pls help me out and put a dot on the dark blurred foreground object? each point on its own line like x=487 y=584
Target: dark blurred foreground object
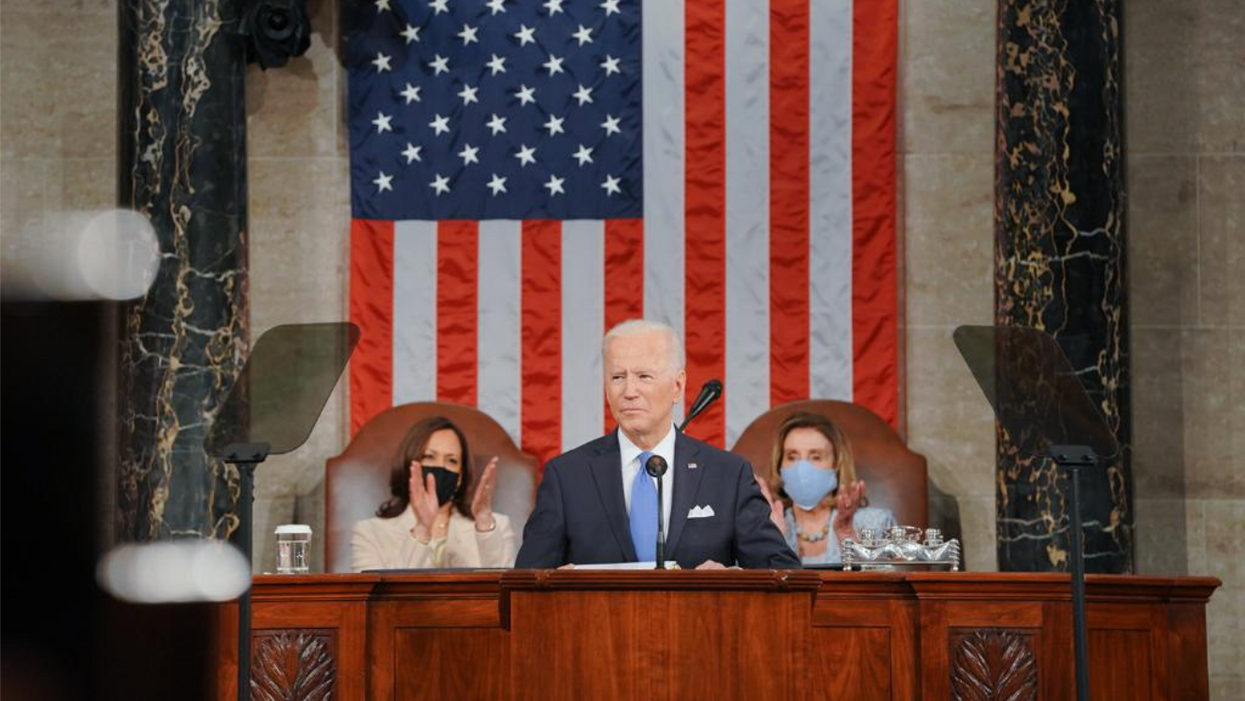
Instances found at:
x=276 y=31
x=64 y=638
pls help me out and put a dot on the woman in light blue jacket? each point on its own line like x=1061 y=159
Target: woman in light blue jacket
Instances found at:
x=820 y=502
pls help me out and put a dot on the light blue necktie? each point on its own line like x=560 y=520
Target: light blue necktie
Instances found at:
x=644 y=514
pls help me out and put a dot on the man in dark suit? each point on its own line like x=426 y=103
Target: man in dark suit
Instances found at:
x=597 y=505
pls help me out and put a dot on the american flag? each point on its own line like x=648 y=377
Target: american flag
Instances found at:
x=526 y=174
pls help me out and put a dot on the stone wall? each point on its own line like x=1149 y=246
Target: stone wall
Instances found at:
x=1185 y=112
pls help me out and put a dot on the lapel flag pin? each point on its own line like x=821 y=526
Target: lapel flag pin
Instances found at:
x=691 y=466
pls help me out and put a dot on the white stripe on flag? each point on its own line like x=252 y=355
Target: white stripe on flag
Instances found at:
x=663 y=59
x=747 y=214
x=830 y=208
x=415 y=311
x=583 y=321
x=500 y=337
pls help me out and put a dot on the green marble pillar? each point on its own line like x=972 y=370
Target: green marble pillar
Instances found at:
x=1060 y=261
x=182 y=161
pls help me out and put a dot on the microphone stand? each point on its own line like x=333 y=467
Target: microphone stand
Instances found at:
x=656 y=467
x=661 y=531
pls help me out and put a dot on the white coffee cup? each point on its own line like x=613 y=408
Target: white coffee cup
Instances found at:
x=293 y=548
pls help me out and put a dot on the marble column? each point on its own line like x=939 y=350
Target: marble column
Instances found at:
x=182 y=162
x=1060 y=261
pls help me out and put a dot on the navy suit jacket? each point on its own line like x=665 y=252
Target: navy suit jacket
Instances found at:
x=581 y=516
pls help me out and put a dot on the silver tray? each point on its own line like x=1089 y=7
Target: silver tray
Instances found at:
x=899 y=548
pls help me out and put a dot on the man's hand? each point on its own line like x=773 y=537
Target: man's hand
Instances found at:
x=776 y=513
x=710 y=565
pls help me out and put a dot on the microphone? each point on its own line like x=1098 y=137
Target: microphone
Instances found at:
x=656 y=467
x=709 y=394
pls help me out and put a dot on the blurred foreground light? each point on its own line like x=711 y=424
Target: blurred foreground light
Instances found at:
x=110 y=254
x=174 y=572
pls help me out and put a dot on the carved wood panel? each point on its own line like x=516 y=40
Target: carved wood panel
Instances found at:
x=293 y=664
x=993 y=664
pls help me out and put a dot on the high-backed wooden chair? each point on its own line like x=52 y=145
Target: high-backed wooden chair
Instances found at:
x=895 y=477
x=357 y=481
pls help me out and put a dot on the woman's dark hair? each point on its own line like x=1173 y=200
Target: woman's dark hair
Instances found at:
x=412 y=449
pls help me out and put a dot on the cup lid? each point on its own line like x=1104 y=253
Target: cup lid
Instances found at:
x=293 y=528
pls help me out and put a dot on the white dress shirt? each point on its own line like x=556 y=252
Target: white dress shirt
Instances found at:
x=629 y=455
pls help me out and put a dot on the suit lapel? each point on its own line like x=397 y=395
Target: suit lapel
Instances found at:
x=686 y=485
x=607 y=473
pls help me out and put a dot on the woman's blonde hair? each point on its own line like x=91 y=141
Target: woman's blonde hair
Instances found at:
x=844 y=461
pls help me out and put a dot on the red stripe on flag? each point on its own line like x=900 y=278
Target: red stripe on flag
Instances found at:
x=624 y=279
x=540 y=401
x=458 y=253
x=874 y=284
x=705 y=219
x=789 y=205
x=371 y=308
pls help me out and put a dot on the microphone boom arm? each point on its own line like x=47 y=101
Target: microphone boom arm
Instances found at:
x=709 y=393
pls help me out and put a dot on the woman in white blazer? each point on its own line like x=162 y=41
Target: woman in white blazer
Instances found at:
x=434 y=519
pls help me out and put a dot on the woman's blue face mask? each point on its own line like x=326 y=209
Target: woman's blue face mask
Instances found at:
x=808 y=484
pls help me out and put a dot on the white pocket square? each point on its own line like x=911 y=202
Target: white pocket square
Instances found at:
x=701 y=511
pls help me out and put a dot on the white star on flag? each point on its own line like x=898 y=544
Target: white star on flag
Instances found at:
x=554 y=7
x=525 y=35
x=555 y=185
x=381 y=62
x=611 y=185
x=497 y=185
x=412 y=153
x=496 y=6
x=440 y=125
x=497 y=64
x=554 y=65
x=583 y=155
x=383 y=182
x=554 y=125
x=583 y=35
x=610 y=125
x=439 y=6
x=468 y=94
x=382 y=5
x=610 y=7
x=468 y=34
x=526 y=95
x=411 y=93
x=382 y=122
x=410 y=34
x=610 y=64
x=497 y=125
x=525 y=155
x=439 y=64
x=583 y=94
x=440 y=184
x=468 y=154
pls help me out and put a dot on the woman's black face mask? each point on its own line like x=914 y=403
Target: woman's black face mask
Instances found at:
x=447 y=482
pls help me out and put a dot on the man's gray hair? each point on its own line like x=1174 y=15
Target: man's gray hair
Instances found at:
x=639 y=327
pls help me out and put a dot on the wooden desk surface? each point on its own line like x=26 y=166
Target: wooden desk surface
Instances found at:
x=554 y=634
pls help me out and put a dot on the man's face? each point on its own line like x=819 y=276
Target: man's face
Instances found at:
x=641 y=387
